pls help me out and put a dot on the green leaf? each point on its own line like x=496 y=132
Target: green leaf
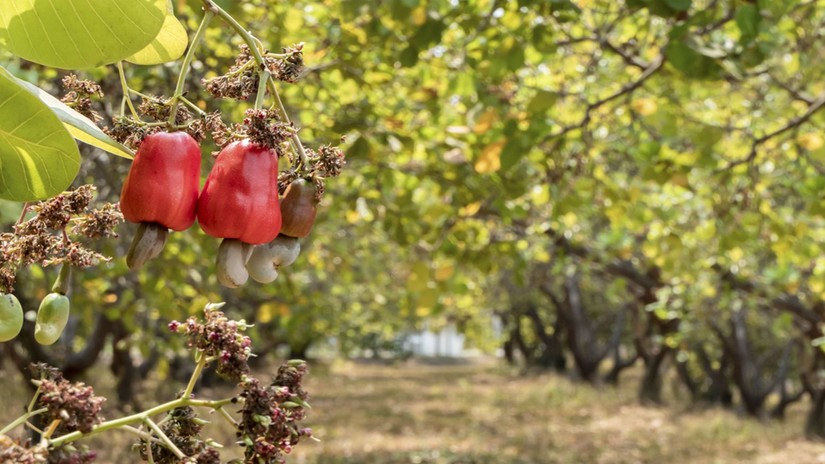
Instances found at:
x=775 y=8
x=169 y=44
x=514 y=150
x=429 y=33
x=747 y=18
x=541 y=102
x=72 y=34
x=79 y=126
x=38 y=157
x=679 y=5
x=691 y=62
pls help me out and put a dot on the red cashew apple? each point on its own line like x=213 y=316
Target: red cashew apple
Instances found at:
x=160 y=192
x=240 y=198
x=162 y=185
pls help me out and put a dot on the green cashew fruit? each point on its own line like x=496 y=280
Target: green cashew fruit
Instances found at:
x=11 y=317
x=52 y=317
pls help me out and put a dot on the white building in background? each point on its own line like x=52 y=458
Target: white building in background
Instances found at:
x=447 y=343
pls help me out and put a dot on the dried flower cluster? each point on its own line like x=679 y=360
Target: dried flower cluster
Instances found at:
x=183 y=428
x=129 y=131
x=270 y=417
x=269 y=425
x=43 y=238
x=265 y=128
x=159 y=109
x=79 y=94
x=290 y=67
x=241 y=81
x=211 y=123
x=15 y=452
x=70 y=454
x=221 y=339
x=327 y=162
x=73 y=404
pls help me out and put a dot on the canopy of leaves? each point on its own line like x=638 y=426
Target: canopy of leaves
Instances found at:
x=682 y=136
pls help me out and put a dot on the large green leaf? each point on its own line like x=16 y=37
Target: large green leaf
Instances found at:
x=168 y=46
x=79 y=34
x=38 y=157
x=79 y=126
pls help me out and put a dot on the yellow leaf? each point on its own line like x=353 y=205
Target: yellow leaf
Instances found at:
x=485 y=121
x=266 y=313
x=169 y=44
x=490 y=158
x=419 y=15
x=294 y=20
x=444 y=273
x=811 y=141
x=469 y=210
x=355 y=32
x=680 y=179
x=645 y=106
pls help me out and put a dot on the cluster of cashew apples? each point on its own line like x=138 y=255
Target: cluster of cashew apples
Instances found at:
x=239 y=203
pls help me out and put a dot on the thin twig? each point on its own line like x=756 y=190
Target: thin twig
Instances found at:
x=792 y=124
x=164 y=439
x=625 y=90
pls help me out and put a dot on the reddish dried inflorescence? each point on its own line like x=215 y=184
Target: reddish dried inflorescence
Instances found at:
x=79 y=95
x=290 y=67
x=73 y=404
x=183 y=428
x=43 y=239
x=269 y=425
x=221 y=339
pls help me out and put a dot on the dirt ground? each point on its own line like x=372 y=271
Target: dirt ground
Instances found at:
x=483 y=412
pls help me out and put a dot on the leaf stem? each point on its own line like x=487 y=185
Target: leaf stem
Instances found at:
x=225 y=414
x=187 y=62
x=296 y=141
x=21 y=420
x=201 y=359
x=125 y=87
x=138 y=418
x=191 y=105
x=63 y=281
x=26 y=206
x=164 y=439
x=263 y=78
x=146 y=436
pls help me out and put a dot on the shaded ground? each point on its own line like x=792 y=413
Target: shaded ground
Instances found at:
x=482 y=413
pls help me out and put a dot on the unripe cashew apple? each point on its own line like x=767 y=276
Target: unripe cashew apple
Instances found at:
x=52 y=317
x=11 y=317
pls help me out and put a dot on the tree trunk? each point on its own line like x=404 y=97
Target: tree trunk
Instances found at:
x=650 y=388
x=719 y=390
x=815 y=422
x=123 y=366
x=551 y=352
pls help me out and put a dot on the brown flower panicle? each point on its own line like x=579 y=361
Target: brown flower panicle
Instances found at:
x=79 y=95
x=43 y=239
x=220 y=339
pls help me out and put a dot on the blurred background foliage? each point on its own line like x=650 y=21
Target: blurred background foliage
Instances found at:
x=616 y=183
